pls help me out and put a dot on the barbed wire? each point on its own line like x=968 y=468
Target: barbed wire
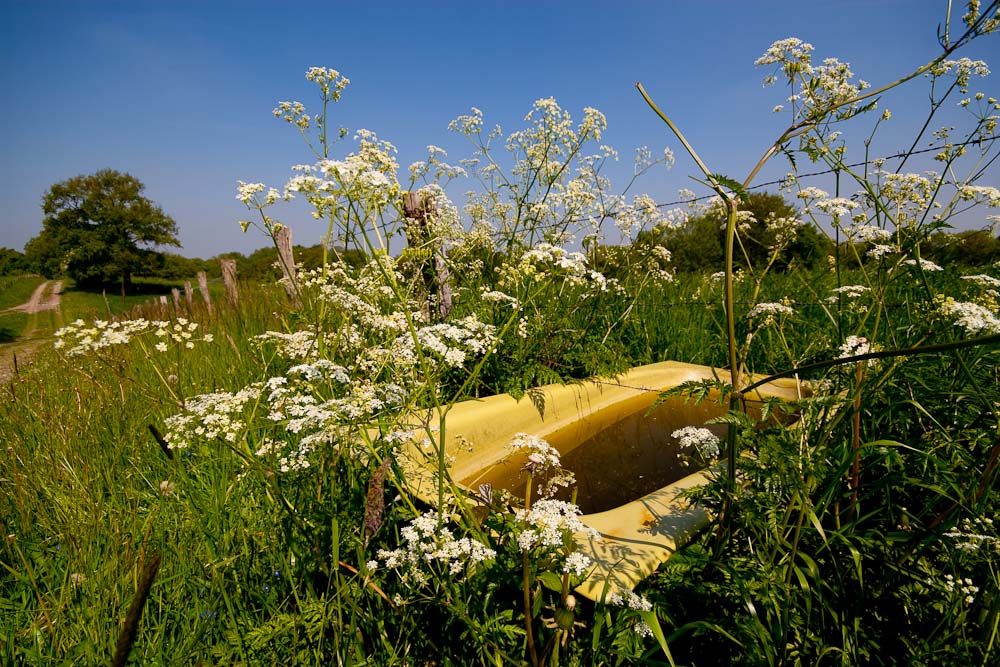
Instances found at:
x=709 y=304
x=905 y=154
x=813 y=174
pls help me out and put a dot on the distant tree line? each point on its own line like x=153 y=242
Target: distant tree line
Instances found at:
x=99 y=230
x=260 y=264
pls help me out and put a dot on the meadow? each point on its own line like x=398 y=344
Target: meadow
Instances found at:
x=225 y=489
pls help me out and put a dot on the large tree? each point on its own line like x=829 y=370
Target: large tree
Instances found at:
x=99 y=229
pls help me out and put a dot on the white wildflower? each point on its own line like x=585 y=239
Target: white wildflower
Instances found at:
x=702 y=440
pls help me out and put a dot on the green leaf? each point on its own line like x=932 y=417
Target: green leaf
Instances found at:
x=551 y=581
x=654 y=624
x=731 y=183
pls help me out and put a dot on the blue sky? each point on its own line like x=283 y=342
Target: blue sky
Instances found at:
x=179 y=94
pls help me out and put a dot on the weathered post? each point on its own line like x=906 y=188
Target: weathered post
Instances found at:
x=229 y=280
x=420 y=211
x=203 y=288
x=189 y=295
x=176 y=293
x=283 y=240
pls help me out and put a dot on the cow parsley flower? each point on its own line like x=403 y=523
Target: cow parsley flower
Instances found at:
x=837 y=207
x=925 y=264
x=984 y=281
x=549 y=523
x=975 y=319
x=634 y=601
x=701 y=440
x=880 y=250
x=577 y=564
x=767 y=313
x=851 y=291
x=451 y=343
x=855 y=346
x=430 y=547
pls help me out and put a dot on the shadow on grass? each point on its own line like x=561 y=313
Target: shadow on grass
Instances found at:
x=12 y=326
x=141 y=287
x=87 y=300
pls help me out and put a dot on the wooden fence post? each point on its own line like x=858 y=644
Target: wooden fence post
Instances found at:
x=420 y=209
x=229 y=280
x=203 y=288
x=283 y=240
x=176 y=293
x=189 y=295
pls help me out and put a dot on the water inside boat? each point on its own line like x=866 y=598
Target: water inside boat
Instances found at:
x=619 y=461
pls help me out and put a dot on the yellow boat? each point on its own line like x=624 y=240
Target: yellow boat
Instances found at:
x=626 y=463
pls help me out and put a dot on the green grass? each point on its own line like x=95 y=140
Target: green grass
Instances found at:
x=16 y=290
x=246 y=578
x=90 y=303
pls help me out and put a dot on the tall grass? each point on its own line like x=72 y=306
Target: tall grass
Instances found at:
x=258 y=465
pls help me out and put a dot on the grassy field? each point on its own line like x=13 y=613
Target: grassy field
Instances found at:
x=233 y=488
x=22 y=334
x=262 y=567
x=14 y=291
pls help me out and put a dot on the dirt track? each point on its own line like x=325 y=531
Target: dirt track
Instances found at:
x=38 y=301
x=45 y=297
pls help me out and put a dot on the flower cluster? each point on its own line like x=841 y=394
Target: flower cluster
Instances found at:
x=541 y=455
x=331 y=85
x=983 y=281
x=429 y=541
x=78 y=338
x=495 y=296
x=545 y=260
x=311 y=403
x=701 y=440
x=925 y=264
x=367 y=176
x=554 y=189
x=962 y=69
x=980 y=194
x=642 y=213
x=218 y=415
x=451 y=344
x=868 y=233
x=822 y=88
x=296 y=345
x=964 y=587
x=434 y=169
x=975 y=319
x=543 y=462
x=906 y=196
x=850 y=291
x=768 y=313
x=577 y=564
x=837 y=207
x=550 y=523
x=855 y=346
x=632 y=600
x=975 y=534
